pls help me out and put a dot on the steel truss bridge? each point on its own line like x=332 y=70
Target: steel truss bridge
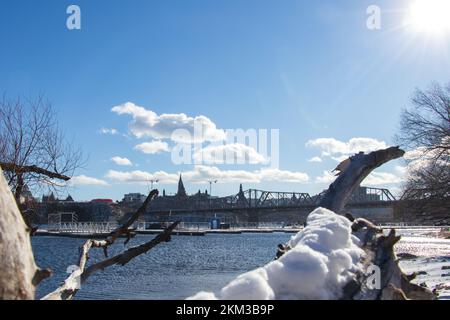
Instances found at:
x=254 y=199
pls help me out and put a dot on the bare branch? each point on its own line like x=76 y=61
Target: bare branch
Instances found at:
x=71 y=286
x=17 y=169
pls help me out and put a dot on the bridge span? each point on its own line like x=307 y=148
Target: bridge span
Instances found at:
x=258 y=205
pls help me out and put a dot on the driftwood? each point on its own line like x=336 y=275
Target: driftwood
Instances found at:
x=34 y=169
x=72 y=284
x=394 y=283
x=19 y=274
x=379 y=248
x=360 y=166
x=78 y=276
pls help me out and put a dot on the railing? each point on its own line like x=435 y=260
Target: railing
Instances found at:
x=200 y=226
x=82 y=227
x=413 y=225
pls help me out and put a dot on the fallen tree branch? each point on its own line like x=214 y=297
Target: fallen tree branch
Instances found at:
x=78 y=276
x=125 y=228
x=12 y=167
x=378 y=248
x=73 y=283
x=125 y=257
x=360 y=166
x=395 y=284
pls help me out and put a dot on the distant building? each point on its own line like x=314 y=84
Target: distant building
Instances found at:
x=133 y=198
x=181 y=190
x=95 y=210
x=180 y=200
x=49 y=198
x=102 y=201
x=26 y=195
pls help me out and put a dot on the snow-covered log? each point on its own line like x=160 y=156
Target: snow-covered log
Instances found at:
x=334 y=256
x=331 y=258
x=322 y=259
x=381 y=278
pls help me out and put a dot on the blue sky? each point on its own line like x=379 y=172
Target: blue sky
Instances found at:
x=311 y=69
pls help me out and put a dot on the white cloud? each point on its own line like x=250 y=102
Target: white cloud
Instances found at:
x=327 y=177
x=402 y=170
x=153 y=147
x=202 y=174
x=178 y=127
x=374 y=179
x=323 y=259
x=382 y=178
x=86 y=181
x=417 y=160
x=143 y=177
x=331 y=146
x=110 y=131
x=340 y=158
x=230 y=153
x=283 y=176
x=121 y=161
x=315 y=159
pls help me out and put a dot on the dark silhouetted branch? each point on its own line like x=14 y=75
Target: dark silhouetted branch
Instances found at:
x=72 y=284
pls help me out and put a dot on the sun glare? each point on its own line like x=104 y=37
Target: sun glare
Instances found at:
x=431 y=16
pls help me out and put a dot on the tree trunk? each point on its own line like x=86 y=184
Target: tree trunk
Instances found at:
x=361 y=165
x=18 y=271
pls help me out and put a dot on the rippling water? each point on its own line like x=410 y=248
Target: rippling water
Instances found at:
x=173 y=270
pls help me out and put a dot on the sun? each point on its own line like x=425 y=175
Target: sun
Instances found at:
x=430 y=16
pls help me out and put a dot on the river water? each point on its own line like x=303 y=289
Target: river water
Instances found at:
x=173 y=270
x=187 y=265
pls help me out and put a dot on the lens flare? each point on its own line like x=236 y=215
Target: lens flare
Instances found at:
x=430 y=16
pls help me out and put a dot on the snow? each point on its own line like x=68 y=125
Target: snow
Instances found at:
x=323 y=259
x=432 y=258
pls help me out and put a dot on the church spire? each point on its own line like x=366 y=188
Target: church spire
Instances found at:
x=241 y=199
x=181 y=190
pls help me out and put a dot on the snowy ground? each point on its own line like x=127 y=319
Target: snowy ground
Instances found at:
x=422 y=251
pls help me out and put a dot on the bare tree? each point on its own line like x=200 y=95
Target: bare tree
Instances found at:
x=33 y=149
x=425 y=128
x=426 y=125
